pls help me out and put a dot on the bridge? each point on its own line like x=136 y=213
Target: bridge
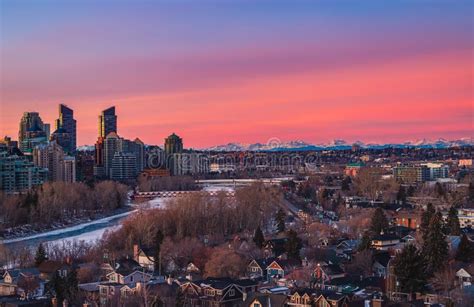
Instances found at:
x=243 y=181
x=174 y=194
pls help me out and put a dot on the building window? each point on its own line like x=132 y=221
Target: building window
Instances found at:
x=231 y=292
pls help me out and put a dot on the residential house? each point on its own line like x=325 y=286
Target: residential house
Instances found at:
x=123 y=276
x=247 y=286
x=109 y=293
x=274 y=247
x=465 y=275
x=125 y=272
x=25 y=283
x=345 y=248
x=265 y=300
x=324 y=273
x=380 y=263
x=278 y=268
x=384 y=241
x=332 y=300
x=121 y=264
x=407 y=218
x=300 y=298
x=258 y=267
x=165 y=291
x=212 y=292
x=48 y=268
x=144 y=257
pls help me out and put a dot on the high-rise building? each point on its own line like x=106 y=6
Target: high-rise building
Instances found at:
x=65 y=129
x=111 y=146
x=32 y=132
x=173 y=145
x=188 y=163
x=99 y=168
x=437 y=170
x=124 y=166
x=7 y=144
x=17 y=174
x=69 y=169
x=52 y=157
x=107 y=125
x=85 y=166
x=47 y=130
x=28 y=121
x=107 y=122
x=137 y=148
x=411 y=173
x=63 y=139
x=114 y=144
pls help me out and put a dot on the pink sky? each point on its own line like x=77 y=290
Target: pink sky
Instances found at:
x=409 y=81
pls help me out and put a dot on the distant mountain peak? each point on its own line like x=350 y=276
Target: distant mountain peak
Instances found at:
x=338 y=144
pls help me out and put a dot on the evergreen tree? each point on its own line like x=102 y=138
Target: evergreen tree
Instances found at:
x=179 y=298
x=379 y=221
x=72 y=286
x=258 y=237
x=280 y=220
x=402 y=194
x=409 y=270
x=452 y=222
x=426 y=218
x=465 y=252
x=157 y=250
x=40 y=255
x=411 y=191
x=435 y=247
x=365 y=242
x=293 y=245
x=58 y=285
x=64 y=287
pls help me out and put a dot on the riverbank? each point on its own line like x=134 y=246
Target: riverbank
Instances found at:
x=72 y=225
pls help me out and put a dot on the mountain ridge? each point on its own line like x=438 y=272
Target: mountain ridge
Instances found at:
x=338 y=144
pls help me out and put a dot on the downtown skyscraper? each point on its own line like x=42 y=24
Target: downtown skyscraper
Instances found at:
x=32 y=131
x=107 y=122
x=65 y=133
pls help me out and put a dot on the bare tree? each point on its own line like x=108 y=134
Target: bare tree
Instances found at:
x=225 y=263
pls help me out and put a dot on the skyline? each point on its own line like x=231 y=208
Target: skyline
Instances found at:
x=242 y=71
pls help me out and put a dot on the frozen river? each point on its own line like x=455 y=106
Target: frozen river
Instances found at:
x=87 y=232
x=91 y=231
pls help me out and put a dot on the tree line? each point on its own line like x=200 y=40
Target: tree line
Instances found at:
x=57 y=201
x=199 y=215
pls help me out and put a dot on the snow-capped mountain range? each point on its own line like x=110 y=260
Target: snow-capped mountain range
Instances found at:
x=299 y=145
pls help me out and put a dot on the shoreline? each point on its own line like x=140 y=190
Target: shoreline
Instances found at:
x=127 y=210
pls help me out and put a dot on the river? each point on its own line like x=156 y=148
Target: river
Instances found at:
x=91 y=231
